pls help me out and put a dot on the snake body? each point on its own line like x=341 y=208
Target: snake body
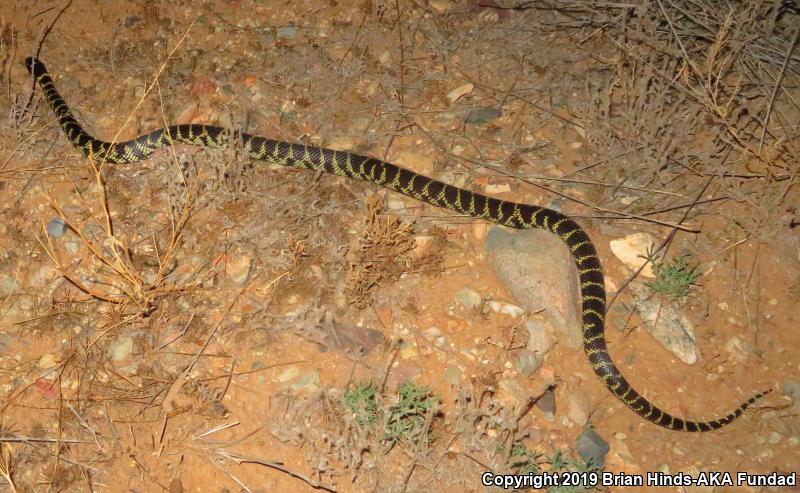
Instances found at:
x=422 y=188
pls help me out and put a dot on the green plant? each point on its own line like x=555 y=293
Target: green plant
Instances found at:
x=673 y=279
x=362 y=401
x=562 y=462
x=408 y=419
x=524 y=461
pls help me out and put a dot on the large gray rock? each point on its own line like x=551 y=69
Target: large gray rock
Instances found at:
x=538 y=270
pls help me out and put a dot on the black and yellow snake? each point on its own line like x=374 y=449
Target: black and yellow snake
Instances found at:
x=428 y=190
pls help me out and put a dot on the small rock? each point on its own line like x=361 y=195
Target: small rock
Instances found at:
x=132 y=20
x=664 y=321
x=547 y=402
x=631 y=249
x=120 y=349
x=792 y=389
x=395 y=204
x=478 y=116
x=434 y=335
x=468 y=298
x=408 y=351
x=286 y=32
x=73 y=247
x=459 y=92
x=738 y=349
x=497 y=189
x=578 y=407
x=308 y=383
x=506 y=308
x=525 y=362
x=48 y=360
x=541 y=336
x=238 y=269
x=288 y=374
x=591 y=447
x=56 y=227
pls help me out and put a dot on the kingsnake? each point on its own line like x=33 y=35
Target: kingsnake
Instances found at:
x=422 y=188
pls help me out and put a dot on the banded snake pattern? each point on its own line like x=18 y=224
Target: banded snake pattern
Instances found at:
x=420 y=187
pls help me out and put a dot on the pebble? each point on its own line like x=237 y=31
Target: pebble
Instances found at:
x=525 y=362
x=434 y=335
x=592 y=447
x=73 y=247
x=459 y=92
x=288 y=374
x=468 y=298
x=547 y=403
x=238 y=269
x=792 y=389
x=578 y=407
x=541 y=336
x=738 y=349
x=478 y=116
x=308 y=383
x=120 y=349
x=408 y=351
x=631 y=249
x=506 y=308
x=48 y=360
x=56 y=227
x=286 y=32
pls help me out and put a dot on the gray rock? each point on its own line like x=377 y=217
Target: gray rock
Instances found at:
x=536 y=267
x=56 y=227
x=468 y=298
x=478 y=116
x=287 y=32
x=525 y=361
x=541 y=336
x=547 y=402
x=792 y=389
x=591 y=447
x=663 y=320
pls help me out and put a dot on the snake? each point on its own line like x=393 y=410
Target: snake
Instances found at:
x=411 y=184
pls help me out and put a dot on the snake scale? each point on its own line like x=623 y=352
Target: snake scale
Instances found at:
x=422 y=188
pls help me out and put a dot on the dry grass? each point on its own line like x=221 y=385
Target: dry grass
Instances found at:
x=697 y=91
